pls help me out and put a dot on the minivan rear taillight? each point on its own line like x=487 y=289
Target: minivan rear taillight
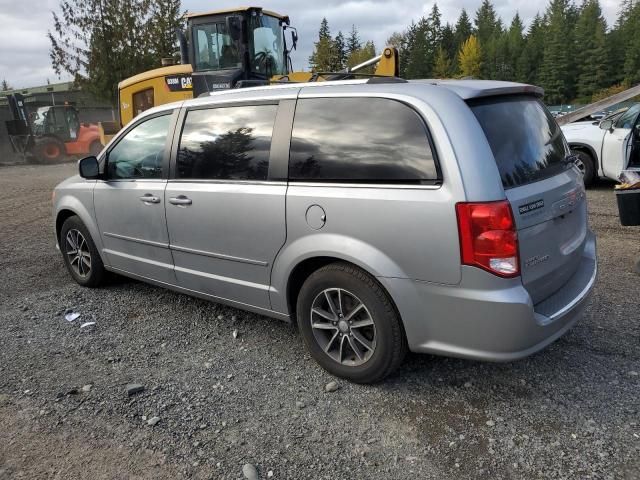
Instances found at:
x=488 y=237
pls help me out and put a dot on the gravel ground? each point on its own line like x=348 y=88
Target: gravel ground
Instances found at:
x=570 y=411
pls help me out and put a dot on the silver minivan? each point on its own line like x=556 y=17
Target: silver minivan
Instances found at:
x=381 y=215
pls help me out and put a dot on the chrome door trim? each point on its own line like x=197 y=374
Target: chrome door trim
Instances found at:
x=137 y=240
x=399 y=186
x=218 y=255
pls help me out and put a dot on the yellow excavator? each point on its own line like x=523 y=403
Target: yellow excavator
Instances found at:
x=223 y=49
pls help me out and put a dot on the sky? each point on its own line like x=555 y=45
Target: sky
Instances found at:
x=24 y=46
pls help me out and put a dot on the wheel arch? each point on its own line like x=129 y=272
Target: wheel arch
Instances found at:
x=307 y=266
x=68 y=206
x=589 y=150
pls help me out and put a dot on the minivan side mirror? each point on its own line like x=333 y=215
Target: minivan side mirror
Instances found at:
x=89 y=168
x=606 y=125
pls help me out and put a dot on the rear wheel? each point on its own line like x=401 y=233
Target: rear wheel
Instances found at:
x=49 y=150
x=80 y=253
x=349 y=324
x=585 y=163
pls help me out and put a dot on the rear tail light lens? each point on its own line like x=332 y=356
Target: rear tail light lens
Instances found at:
x=488 y=237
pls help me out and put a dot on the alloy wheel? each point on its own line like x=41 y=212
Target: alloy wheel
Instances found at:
x=78 y=254
x=343 y=327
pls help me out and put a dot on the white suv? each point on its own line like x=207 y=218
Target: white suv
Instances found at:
x=603 y=149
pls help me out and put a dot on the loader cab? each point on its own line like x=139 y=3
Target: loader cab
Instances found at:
x=227 y=47
x=59 y=121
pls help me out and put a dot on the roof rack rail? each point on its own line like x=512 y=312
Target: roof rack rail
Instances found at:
x=351 y=75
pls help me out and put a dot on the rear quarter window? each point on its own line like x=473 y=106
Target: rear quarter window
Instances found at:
x=526 y=141
x=368 y=140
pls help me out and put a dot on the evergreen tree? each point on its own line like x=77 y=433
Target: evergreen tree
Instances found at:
x=514 y=46
x=442 y=67
x=470 y=58
x=488 y=32
x=448 y=41
x=323 y=58
x=353 y=42
x=528 y=65
x=166 y=18
x=340 y=52
x=101 y=42
x=591 y=52
x=463 y=29
x=555 y=75
x=5 y=85
x=418 y=61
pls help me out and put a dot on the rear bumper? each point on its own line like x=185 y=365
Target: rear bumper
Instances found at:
x=494 y=322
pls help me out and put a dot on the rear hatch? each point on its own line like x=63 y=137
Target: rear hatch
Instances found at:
x=545 y=190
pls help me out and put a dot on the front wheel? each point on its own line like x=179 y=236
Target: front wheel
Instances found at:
x=349 y=324
x=586 y=165
x=80 y=253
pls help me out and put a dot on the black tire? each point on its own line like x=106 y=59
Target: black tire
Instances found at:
x=390 y=346
x=96 y=273
x=95 y=148
x=589 y=167
x=49 y=150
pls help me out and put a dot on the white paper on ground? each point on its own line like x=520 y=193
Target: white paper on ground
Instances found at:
x=70 y=317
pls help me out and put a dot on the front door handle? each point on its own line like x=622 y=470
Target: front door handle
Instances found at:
x=148 y=198
x=180 y=200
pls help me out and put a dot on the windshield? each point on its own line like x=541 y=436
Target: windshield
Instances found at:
x=628 y=118
x=214 y=47
x=525 y=139
x=267 y=48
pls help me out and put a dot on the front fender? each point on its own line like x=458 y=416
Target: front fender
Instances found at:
x=315 y=245
x=80 y=203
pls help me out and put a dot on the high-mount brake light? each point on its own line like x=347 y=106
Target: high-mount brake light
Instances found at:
x=488 y=237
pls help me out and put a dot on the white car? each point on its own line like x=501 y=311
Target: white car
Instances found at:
x=603 y=149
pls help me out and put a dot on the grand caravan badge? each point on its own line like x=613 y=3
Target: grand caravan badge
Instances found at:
x=530 y=207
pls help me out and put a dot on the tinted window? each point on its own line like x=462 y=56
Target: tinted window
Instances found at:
x=229 y=143
x=140 y=152
x=359 y=140
x=142 y=101
x=526 y=142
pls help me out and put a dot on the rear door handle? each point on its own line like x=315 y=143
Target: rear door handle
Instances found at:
x=180 y=200
x=148 y=198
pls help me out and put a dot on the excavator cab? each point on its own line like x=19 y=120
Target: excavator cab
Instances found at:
x=226 y=47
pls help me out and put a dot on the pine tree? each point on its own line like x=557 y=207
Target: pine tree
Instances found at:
x=555 y=74
x=442 y=67
x=101 y=42
x=353 y=42
x=591 y=53
x=5 y=85
x=488 y=32
x=528 y=65
x=340 y=52
x=166 y=18
x=514 y=47
x=470 y=58
x=463 y=29
x=323 y=57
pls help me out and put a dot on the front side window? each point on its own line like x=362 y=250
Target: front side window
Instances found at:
x=628 y=118
x=227 y=143
x=360 y=140
x=139 y=154
x=267 y=47
x=214 y=47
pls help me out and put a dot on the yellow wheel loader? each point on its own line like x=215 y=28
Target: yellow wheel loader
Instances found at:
x=233 y=48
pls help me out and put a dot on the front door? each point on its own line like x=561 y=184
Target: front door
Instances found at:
x=129 y=203
x=616 y=145
x=225 y=215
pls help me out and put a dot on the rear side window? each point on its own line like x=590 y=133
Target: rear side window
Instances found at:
x=229 y=143
x=359 y=140
x=526 y=142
